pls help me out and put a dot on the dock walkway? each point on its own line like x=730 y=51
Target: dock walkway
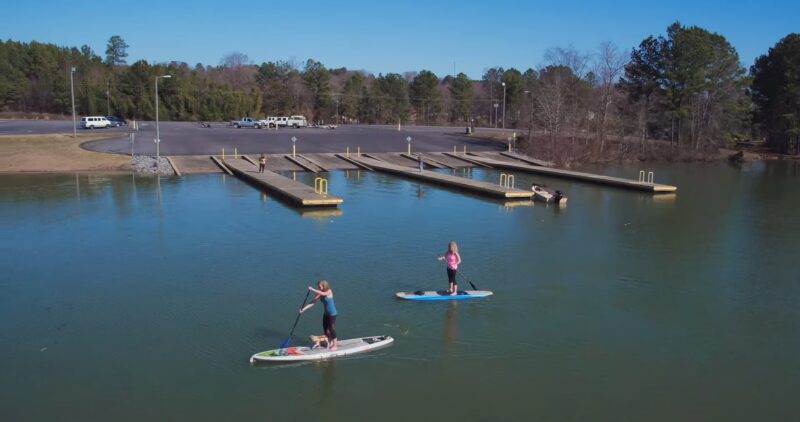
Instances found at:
x=475 y=186
x=296 y=192
x=576 y=175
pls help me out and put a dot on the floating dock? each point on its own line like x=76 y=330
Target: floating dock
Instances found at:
x=461 y=183
x=296 y=192
x=575 y=175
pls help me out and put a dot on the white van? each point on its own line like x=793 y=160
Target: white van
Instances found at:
x=93 y=122
x=297 y=121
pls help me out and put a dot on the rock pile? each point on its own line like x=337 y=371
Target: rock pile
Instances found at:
x=143 y=164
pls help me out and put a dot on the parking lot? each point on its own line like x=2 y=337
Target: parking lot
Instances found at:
x=188 y=138
x=184 y=138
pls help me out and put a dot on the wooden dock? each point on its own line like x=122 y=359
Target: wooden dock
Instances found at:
x=297 y=193
x=461 y=183
x=576 y=175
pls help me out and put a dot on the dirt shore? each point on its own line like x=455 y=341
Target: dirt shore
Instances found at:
x=56 y=153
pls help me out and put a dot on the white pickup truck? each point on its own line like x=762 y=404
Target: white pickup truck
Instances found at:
x=297 y=122
x=246 y=122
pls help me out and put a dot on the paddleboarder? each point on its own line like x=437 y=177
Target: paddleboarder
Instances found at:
x=325 y=294
x=453 y=259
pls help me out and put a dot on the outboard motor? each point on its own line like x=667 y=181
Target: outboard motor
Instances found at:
x=558 y=196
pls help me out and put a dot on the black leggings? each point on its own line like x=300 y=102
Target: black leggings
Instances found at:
x=451 y=276
x=329 y=326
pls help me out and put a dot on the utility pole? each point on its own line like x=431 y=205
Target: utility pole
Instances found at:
x=491 y=101
x=72 y=95
x=158 y=137
x=504 y=105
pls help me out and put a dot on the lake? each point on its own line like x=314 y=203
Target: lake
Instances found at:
x=133 y=298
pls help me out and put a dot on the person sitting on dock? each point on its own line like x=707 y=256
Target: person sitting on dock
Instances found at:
x=325 y=294
x=452 y=258
x=262 y=163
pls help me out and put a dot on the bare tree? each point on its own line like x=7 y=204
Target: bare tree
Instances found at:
x=609 y=65
x=236 y=69
x=575 y=91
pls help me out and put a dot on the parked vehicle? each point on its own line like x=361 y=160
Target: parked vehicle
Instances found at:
x=94 y=122
x=297 y=122
x=246 y=122
x=116 y=121
x=269 y=122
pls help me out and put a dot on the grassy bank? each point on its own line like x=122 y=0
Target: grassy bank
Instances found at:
x=56 y=153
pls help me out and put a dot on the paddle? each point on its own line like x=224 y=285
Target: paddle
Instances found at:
x=462 y=276
x=285 y=344
x=465 y=278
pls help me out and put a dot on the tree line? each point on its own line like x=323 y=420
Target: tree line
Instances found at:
x=685 y=90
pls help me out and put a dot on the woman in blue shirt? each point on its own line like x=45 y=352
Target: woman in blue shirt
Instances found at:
x=325 y=294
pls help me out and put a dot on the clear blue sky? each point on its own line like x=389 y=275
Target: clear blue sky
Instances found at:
x=396 y=37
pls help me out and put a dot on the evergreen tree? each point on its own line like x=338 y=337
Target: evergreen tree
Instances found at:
x=461 y=91
x=116 y=51
x=425 y=95
x=776 y=94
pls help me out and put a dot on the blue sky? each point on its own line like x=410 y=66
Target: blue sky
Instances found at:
x=388 y=37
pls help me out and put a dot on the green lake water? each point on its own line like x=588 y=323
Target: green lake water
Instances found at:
x=142 y=298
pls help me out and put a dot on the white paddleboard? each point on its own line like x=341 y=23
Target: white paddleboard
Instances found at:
x=444 y=295
x=345 y=347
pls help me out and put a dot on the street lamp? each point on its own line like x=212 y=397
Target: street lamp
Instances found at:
x=504 y=105
x=72 y=95
x=530 y=123
x=495 y=114
x=158 y=133
x=408 y=139
x=294 y=141
x=108 y=99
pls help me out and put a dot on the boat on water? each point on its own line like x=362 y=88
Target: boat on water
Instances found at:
x=544 y=194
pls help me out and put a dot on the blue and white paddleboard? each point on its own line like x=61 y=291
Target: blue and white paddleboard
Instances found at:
x=443 y=295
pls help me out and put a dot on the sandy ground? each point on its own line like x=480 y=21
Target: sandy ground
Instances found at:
x=56 y=153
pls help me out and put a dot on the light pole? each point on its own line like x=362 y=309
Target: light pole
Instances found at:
x=504 y=105
x=337 y=111
x=72 y=95
x=491 y=104
x=495 y=114
x=408 y=139
x=158 y=133
x=530 y=123
x=108 y=99
x=294 y=142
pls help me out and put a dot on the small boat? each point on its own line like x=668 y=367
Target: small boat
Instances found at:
x=545 y=194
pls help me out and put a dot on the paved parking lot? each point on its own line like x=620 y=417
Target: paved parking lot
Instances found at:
x=188 y=138
x=180 y=138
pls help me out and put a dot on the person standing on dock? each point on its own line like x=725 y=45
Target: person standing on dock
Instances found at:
x=452 y=258
x=325 y=294
x=262 y=163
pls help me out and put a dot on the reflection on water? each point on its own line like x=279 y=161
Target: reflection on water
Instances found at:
x=149 y=294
